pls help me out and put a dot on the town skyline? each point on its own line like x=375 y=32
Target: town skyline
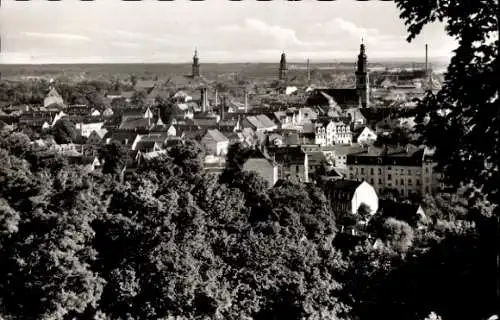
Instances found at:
x=56 y=33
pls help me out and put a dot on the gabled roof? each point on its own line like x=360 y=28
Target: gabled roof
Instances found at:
x=145 y=145
x=343 y=97
x=53 y=93
x=344 y=185
x=120 y=136
x=205 y=122
x=260 y=121
x=136 y=123
x=216 y=135
x=145 y=84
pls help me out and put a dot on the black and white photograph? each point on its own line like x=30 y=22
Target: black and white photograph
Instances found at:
x=249 y=160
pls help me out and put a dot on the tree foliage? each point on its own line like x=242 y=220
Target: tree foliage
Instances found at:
x=464 y=137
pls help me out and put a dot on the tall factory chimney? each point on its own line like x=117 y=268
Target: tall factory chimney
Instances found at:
x=216 y=97
x=246 y=101
x=308 y=72
x=203 y=99
x=426 y=60
x=222 y=106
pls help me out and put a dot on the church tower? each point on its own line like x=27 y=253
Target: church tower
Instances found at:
x=283 y=68
x=196 y=65
x=362 y=81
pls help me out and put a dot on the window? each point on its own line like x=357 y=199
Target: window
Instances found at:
x=409 y=182
x=389 y=168
x=409 y=171
x=371 y=171
x=362 y=170
x=426 y=189
x=402 y=171
x=389 y=177
x=351 y=168
x=379 y=181
x=395 y=182
x=379 y=170
x=297 y=168
x=356 y=171
x=372 y=182
x=426 y=170
x=402 y=182
x=418 y=182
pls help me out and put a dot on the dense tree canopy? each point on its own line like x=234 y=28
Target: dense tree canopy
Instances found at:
x=464 y=137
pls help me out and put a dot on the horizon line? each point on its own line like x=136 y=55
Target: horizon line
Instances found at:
x=311 y=61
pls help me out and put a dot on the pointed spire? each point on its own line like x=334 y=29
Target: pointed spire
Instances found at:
x=196 y=52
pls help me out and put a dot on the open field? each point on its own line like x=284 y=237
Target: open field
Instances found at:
x=250 y=71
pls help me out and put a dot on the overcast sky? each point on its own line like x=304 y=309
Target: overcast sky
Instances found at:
x=71 y=31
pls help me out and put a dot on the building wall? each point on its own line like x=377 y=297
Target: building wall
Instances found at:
x=264 y=168
x=87 y=128
x=333 y=133
x=367 y=136
x=222 y=148
x=366 y=194
x=406 y=180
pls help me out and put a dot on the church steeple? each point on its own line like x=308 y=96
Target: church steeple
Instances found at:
x=196 y=64
x=283 y=68
x=362 y=80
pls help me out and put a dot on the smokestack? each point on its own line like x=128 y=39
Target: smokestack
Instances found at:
x=222 y=108
x=308 y=72
x=206 y=98
x=203 y=99
x=426 y=59
x=246 y=101
x=216 y=97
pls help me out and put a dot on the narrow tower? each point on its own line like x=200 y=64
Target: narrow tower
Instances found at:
x=196 y=65
x=362 y=81
x=426 y=60
x=308 y=72
x=283 y=68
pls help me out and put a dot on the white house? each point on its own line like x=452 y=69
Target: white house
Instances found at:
x=367 y=136
x=53 y=97
x=331 y=132
x=265 y=167
x=346 y=196
x=87 y=128
x=215 y=142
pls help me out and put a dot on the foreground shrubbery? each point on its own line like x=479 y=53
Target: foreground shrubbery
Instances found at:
x=173 y=241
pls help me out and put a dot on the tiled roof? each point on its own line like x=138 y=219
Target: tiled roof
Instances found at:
x=287 y=155
x=136 y=123
x=217 y=135
x=343 y=97
x=343 y=184
x=121 y=137
x=409 y=156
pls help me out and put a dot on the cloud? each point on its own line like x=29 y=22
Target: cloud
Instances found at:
x=139 y=37
x=124 y=44
x=340 y=27
x=59 y=36
x=257 y=32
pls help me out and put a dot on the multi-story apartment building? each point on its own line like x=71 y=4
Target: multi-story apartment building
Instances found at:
x=407 y=170
x=330 y=132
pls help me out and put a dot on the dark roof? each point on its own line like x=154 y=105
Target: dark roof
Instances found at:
x=343 y=185
x=344 y=97
x=401 y=156
x=205 y=122
x=121 y=137
x=315 y=158
x=288 y=155
x=145 y=145
x=136 y=123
